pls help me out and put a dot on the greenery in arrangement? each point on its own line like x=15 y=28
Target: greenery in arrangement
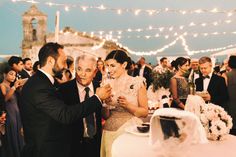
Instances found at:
x=161 y=79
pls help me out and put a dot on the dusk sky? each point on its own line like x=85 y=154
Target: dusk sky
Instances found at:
x=207 y=30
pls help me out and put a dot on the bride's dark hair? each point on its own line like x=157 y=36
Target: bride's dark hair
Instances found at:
x=120 y=56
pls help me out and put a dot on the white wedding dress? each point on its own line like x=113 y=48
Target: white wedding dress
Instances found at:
x=120 y=118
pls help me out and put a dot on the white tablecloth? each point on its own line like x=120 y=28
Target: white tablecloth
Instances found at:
x=129 y=145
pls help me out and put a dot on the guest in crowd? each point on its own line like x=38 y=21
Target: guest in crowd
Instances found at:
x=144 y=71
x=61 y=78
x=45 y=117
x=179 y=84
x=100 y=70
x=224 y=67
x=70 y=71
x=66 y=74
x=17 y=65
x=131 y=69
x=129 y=100
x=216 y=70
x=27 y=70
x=36 y=67
x=163 y=66
x=231 y=81
x=214 y=85
x=86 y=140
x=194 y=70
x=14 y=139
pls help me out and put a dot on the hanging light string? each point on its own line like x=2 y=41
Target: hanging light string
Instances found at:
x=135 y=11
x=184 y=44
x=150 y=12
x=165 y=36
x=149 y=28
x=154 y=52
x=166 y=29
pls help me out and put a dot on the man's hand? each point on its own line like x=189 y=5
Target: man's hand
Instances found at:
x=104 y=92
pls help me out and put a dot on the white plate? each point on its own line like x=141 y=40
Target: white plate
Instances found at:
x=133 y=130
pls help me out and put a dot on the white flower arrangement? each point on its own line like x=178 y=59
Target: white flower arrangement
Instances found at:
x=215 y=120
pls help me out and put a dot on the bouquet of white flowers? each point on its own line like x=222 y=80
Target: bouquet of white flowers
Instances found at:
x=215 y=120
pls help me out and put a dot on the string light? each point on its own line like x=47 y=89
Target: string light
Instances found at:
x=84 y=8
x=166 y=36
x=96 y=47
x=171 y=28
x=229 y=14
x=102 y=7
x=119 y=11
x=150 y=28
x=184 y=44
x=213 y=50
x=181 y=37
x=136 y=11
x=151 y=12
x=67 y=8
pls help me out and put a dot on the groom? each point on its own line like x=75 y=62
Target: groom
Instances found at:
x=83 y=143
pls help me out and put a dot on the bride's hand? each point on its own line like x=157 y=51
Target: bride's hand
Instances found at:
x=122 y=101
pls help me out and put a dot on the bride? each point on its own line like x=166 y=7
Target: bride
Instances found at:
x=129 y=101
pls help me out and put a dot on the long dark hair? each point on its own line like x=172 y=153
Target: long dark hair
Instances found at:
x=120 y=56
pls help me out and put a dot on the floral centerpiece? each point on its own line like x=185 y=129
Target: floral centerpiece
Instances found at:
x=159 y=88
x=215 y=120
x=161 y=79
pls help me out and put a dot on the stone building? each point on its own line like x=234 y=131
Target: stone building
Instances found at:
x=75 y=43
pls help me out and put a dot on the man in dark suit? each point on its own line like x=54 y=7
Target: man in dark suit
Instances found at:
x=27 y=70
x=73 y=92
x=45 y=118
x=144 y=71
x=213 y=84
x=17 y=65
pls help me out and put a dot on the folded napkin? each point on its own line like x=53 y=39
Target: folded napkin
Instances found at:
x=171 y=123
x=193 y=104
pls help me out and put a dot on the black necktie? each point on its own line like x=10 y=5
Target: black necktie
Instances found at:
x=90 y=124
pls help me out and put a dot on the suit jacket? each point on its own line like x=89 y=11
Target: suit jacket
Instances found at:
x=68 y=92
x=45 y=118
x=24 y=74
x=147 y=74
x=216 y=88
x=232 y=97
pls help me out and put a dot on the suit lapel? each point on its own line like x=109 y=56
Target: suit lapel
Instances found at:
x=211 y=83
x=95 y=86
x=76 y=91
x=200 y=84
